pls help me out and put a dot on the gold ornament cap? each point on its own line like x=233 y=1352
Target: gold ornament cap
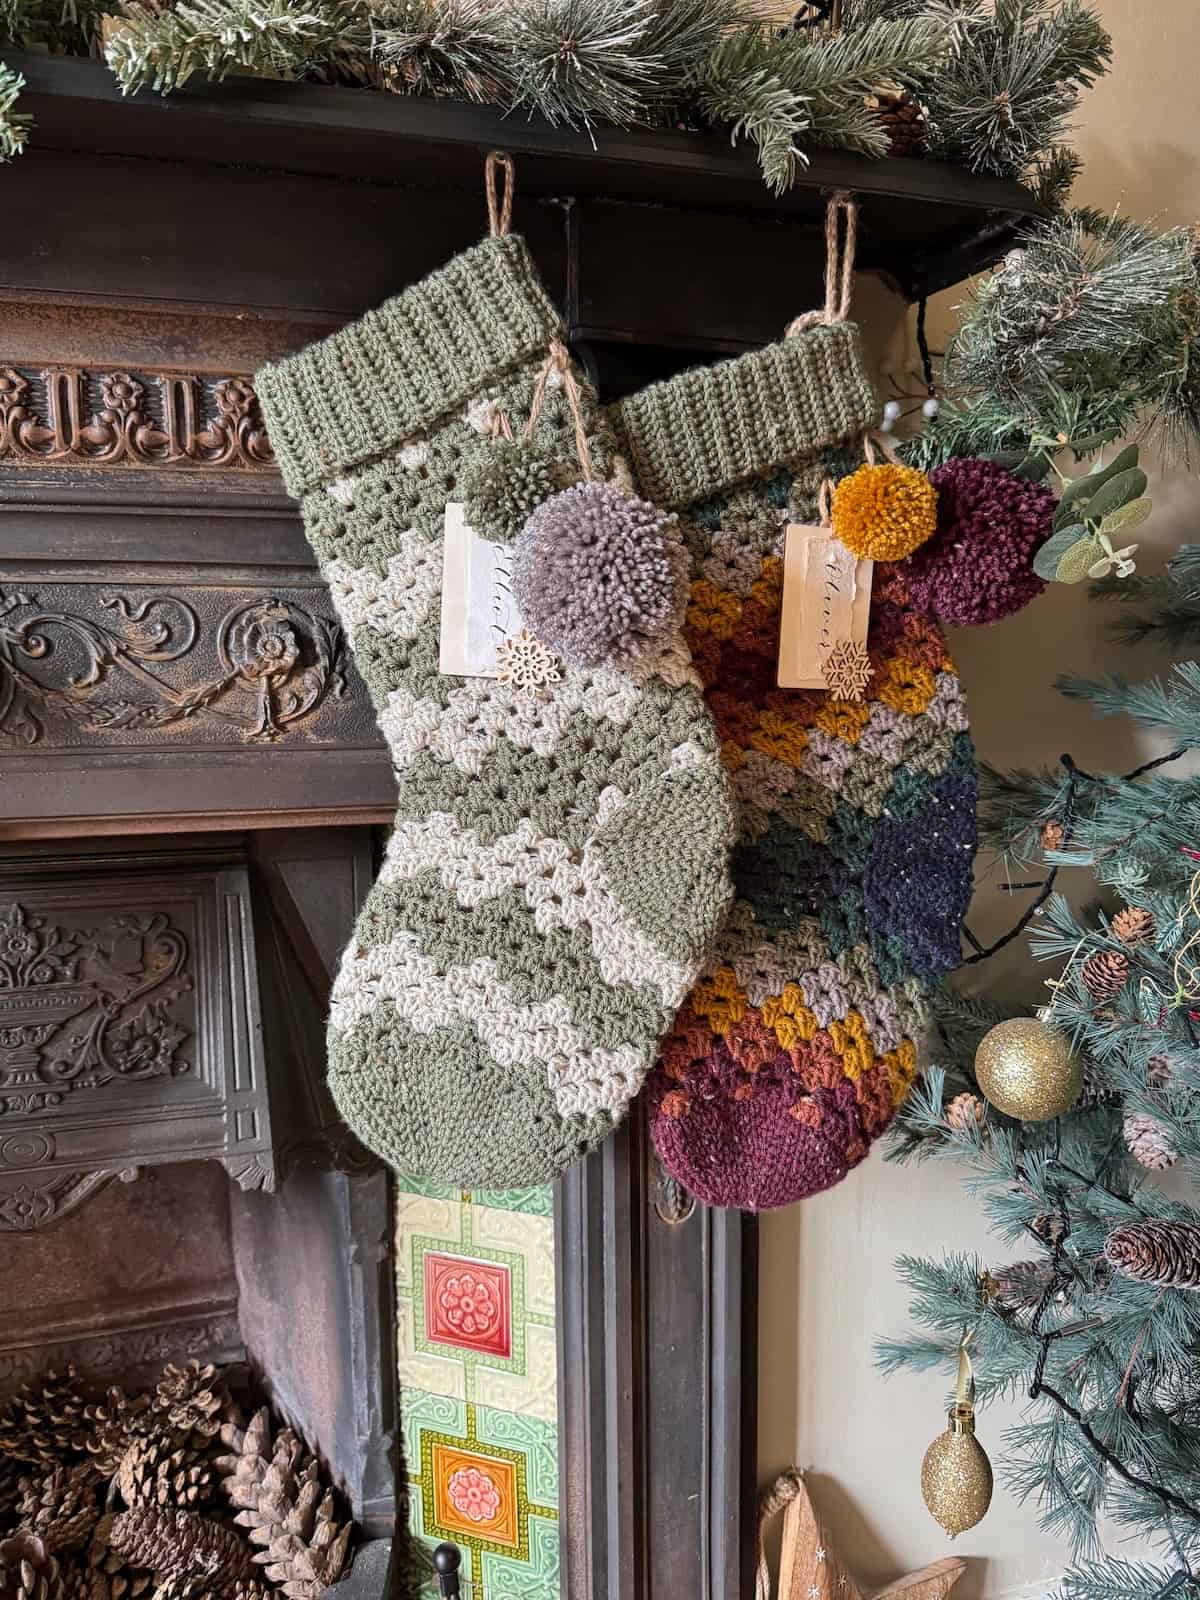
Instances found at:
x=1027 y=1069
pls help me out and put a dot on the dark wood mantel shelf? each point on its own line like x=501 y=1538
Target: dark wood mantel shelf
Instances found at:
x=926 y=223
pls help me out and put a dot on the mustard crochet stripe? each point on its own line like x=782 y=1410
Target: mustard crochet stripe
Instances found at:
x=559 y=866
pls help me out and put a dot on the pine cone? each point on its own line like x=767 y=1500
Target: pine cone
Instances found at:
x=181 y=1544
x=194 y=1400
x=152 y=1473
x=60 y=1508
x=1133 y=925
x=277 y=1489
x=200 y=1589
x=1162 y=1253
x=1020 y=1286
x=1049 y=1226
x=966 y=1111
x=73 y=1580
x=1052 y=836
x=1149 y=1141
x=905 y=121
x=113 y=1427
x=44 y=1421
x=24 y=1568
x=1105 y=973
x=110 y=1572
x=10 y=1489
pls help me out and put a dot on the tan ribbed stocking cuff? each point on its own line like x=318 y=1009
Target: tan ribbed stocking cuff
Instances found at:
x=400 y=369
x=714 y=427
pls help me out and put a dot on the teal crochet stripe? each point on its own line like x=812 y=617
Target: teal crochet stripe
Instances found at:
x=402 y=368
x=689 y=439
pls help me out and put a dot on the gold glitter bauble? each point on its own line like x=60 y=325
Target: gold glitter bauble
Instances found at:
x=1028 y=1070
x=956 y=1475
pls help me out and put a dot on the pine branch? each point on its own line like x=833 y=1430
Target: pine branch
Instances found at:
x=744 y=86
x=14 y=124
x=580 y=62
x=772 y=87
x=1014 y=82
x=276 y=38
x=1052 y=176
x=1171 y=707
x=443 y=47
x=836 y=72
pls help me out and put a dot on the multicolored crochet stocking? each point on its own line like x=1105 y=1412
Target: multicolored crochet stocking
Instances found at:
x=857 y=820
x=559 y=864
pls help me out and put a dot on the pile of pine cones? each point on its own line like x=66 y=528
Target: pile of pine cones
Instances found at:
x=160 y=1496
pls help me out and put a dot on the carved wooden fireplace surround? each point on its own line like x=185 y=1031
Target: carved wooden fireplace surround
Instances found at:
x=192 y=785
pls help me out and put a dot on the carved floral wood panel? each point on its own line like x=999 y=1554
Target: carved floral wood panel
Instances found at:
x=67 y=415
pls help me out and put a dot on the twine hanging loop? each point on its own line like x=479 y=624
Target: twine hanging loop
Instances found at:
x=841 y=213
x=499 y=195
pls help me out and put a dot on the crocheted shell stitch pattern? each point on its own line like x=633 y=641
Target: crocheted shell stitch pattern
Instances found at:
x=852 y=873
x=559 y=864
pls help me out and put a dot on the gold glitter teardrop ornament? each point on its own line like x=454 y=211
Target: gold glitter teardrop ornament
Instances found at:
x=1028 y=1070
x=956 y=1475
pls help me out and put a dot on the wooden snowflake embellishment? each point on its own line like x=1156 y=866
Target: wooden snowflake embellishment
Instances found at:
x=525 y=665
x=846 y=670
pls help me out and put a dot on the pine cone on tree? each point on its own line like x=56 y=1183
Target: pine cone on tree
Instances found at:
x=181 y=1544
x=965 y=1112
x=276 y=1488
x=1048 y=1227
x=904 y=118
x=1052 y=836
x=1134 y=926
x=1020 y=1286
x=155 y=1472
x=44 y=1420
x=1158 y=1252
x=59 y=1508
x=1105 y=973
x=113 y=1426
x=1149 y=1141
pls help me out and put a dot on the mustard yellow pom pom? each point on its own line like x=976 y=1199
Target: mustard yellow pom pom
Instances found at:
x=883 y=513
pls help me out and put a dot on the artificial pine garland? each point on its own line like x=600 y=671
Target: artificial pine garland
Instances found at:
x=1000 y=78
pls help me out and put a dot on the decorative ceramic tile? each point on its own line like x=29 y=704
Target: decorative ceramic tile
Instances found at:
x=477 y=1365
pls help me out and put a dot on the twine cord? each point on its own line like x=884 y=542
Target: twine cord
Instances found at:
x=839 y=266
x=781 y=1493
x=499 y=206
x=558 y=360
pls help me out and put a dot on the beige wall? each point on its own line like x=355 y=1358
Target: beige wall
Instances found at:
x=828 y=1289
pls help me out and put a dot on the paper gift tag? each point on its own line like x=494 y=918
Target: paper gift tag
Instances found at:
x=826 y=597
x=478 y=609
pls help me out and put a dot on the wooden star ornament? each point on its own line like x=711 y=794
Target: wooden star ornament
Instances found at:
x=810 y=1567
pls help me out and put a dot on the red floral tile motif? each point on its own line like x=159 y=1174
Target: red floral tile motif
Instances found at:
x=468 y=1304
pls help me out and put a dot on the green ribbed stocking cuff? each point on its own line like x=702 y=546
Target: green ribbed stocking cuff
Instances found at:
x=715 y=427
x=404 y=367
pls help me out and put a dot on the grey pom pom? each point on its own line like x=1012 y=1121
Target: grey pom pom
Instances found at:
x=600 y=578
x=504 y=485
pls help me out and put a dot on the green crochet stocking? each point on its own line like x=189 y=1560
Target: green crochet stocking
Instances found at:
x=559 y=865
